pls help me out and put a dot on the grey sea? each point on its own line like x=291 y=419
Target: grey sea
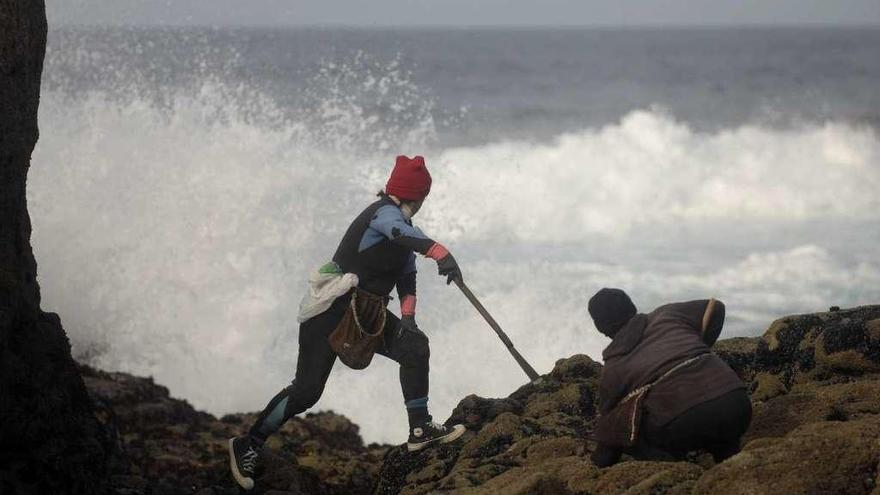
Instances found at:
x=187 y=180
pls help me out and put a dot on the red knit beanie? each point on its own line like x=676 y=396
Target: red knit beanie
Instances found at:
x=410 y=179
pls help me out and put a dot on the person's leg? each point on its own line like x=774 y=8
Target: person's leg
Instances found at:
x=715 y=425
x=411 y=351
x=645 y=450
x=722 y=451
x=314 y=363
x=737 y=415
x=653 y=443
x=313 y=366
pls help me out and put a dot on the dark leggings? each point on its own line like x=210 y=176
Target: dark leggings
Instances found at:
x=316 y=359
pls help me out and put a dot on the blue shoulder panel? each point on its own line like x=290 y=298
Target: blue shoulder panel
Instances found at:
x=388 y=223
x=371 y=238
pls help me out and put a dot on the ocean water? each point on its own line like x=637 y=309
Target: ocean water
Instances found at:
x=187 y=180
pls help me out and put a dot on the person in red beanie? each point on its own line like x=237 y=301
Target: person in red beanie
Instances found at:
x=376 y=254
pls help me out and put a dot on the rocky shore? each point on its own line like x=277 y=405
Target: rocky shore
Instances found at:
x=815 y=382
x=168 y=447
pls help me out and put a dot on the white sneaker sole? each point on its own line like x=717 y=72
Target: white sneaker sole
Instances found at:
x=457 y=431
x=244 y=482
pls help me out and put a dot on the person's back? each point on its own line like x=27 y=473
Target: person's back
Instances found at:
x=668 y=350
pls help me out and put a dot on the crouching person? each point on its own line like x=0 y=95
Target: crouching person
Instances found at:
x=663 y=393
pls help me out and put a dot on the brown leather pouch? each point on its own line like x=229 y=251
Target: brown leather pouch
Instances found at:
x=359 y=334
x=620 y=427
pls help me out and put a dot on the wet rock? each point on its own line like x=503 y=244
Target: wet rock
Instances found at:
x=842 y=342
x=552 y=448
x=576 y=368
x=644 y=478
x=813 y=384
x=474 y=411
x=404 y=472
x=539 y=422
x=739 y=354
x=820 y=457
x=855 y=352
x=173 y=448
x=813 y=402
x=572 y=399
x=767 y=386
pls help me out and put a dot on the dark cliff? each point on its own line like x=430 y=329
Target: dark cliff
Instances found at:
x=50 y=441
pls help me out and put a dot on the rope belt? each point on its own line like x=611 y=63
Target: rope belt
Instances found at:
x=645 y=388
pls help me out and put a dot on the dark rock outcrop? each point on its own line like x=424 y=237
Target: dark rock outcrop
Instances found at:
x=815 y=383
x=50 y=441
x=171 y=448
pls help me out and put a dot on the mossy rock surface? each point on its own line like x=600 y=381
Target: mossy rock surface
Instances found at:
x=843 y=342
x=821 y=457
x=767 y=386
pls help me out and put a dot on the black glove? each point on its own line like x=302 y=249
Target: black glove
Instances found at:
x=447 y=267
x=408 y=324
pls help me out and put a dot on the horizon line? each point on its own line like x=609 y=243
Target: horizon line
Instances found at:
x=439 y=26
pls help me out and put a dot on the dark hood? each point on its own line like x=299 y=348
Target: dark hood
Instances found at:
x=627 y=337
x=611 y=309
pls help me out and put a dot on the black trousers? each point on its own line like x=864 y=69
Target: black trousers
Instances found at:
x=715 y=426
x=316 y=359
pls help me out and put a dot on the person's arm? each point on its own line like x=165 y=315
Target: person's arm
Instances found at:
x=406 y=292
x=705 y=316
x=610 y=393
x=390 y=222
x=611 y=389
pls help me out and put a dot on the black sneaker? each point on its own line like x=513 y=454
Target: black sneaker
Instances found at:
x=243 y=457
x=431 y=433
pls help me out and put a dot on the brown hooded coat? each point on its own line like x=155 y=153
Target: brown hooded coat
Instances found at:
x=651 y=344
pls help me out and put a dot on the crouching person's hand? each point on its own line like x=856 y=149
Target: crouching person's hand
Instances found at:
x=605 y=456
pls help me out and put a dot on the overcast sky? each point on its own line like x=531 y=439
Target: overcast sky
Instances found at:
x=463 y=12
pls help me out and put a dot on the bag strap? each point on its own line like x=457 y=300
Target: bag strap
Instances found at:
x=357 y=321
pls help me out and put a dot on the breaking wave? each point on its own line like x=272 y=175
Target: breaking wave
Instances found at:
x=650 y=168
